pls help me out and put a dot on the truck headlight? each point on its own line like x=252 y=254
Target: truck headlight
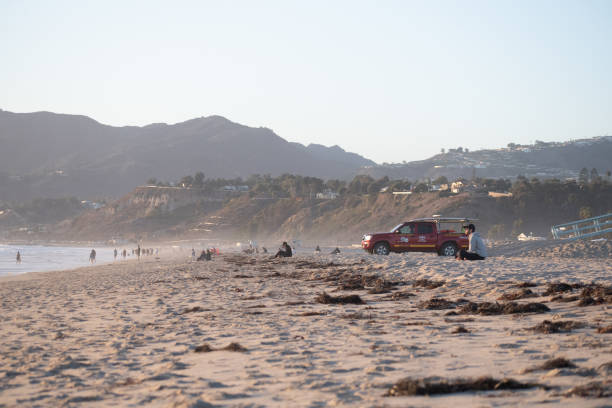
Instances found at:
x=367 y=237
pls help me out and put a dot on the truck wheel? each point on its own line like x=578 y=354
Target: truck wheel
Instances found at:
x=448 y=249
x=381 y=248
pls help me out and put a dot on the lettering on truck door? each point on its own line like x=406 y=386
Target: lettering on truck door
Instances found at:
x=403 y=237
x=425 y=237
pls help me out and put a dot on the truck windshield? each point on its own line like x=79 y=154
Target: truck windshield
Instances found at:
x=396 y=227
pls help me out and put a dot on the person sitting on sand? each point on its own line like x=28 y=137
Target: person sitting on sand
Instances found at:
x=92 y=256
x=18 y=259
x=284 y=251
x=335 y=251
x=477 y=250
x=205 y=255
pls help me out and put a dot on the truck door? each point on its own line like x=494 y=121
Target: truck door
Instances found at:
x=425 y=238
x=403 y=237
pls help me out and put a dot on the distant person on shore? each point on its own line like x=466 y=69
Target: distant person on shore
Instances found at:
x=335 y=251
x=284 y=251
x=193 y=257
x=477 y=250
x=124 y=253
x=115 y=254
x=138 y=252
x=92 y=256
x=18 y=258
x=317 y=249
x=264 y=250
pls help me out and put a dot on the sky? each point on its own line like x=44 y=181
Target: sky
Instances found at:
x=391 y=80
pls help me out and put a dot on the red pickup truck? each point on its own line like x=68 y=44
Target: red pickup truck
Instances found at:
x=436 y=234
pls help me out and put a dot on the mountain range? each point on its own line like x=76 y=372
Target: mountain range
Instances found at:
x=46 y=154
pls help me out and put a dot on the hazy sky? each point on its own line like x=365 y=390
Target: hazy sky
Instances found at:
x=391 y=80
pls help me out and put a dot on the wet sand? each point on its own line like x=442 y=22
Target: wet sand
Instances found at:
x=250 y=331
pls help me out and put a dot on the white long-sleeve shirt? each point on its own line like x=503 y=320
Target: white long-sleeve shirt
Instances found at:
x=477 y=245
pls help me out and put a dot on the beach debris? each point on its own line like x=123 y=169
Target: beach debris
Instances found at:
x=564 y=299
x=460 y=330
x=595 y=295
x=605 y=329
x=242 y=276
x=519 y=294
x=311 y=313
x=205 y=348
x=427 y=283
x=435 y=386
x=399 y=296
x=526 y=285
x=561 y=326
x=437 y=304
x=552 y=364
x=488 y=308
x=558 y=287
x=192 y=310
x=234 y=347
x=327 y=299
x=594 y=389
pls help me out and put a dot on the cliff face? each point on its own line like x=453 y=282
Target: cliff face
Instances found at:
x=172 y=213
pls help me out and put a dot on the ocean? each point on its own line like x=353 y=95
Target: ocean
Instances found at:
x=38 y=258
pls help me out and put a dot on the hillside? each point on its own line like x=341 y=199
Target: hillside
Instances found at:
x=54 y=155
x=167 y=213
x=543 y=160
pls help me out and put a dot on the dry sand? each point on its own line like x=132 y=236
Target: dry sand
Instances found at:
x=126 y=334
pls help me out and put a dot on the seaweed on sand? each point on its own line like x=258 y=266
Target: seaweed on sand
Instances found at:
x=595 y=389
x=519 y=294
x=487 y=308
x=327 y=299
x=427 y=283
x=234 y=347
x=437 y=304
x=433 y=386
x=561 y=326
x=526 y=285
x=595 y=295
x=460 y=330
x=605 y=329
x=551 y=364
x=558 y=287
x=192 y=310
x=205 y=348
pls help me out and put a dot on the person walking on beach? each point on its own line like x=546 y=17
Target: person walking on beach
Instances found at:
x=193 y=257
x=477 y=250
x=115 y=254
x=92 y=256
x=138 y=252
x=18 y=258
x=284 y=251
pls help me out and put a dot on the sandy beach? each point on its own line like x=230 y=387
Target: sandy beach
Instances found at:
x=251 y=331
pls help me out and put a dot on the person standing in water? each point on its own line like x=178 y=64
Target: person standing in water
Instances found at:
x=92 y=256
x=115 y=254
x=18 y=258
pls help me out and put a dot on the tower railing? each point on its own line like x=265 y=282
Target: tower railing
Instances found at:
x=590 y=227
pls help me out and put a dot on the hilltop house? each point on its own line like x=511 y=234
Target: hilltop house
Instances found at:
x=327 y=195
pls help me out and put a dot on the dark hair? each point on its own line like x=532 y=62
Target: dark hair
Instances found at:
x=471 y=227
